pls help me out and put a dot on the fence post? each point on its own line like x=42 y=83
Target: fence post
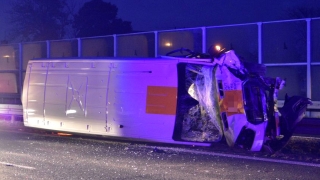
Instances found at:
x=308 y=57
x=79 y=47
x=115 y=45
x=20 y=68
x=48 y=48
x=204 y=39
x=156 y=39
x=259 y=42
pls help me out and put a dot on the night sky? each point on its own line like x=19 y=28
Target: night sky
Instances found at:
x=150 y=15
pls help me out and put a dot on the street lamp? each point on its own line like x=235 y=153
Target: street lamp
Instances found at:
x=7 y=57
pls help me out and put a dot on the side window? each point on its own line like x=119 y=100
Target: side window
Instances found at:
x=220 y=89
x=254 y=101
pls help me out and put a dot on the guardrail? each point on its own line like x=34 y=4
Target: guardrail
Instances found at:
x=307 y=127
x=15 y=112
x=11 y=112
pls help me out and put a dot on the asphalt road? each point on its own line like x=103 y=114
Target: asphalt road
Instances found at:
x=31 y=154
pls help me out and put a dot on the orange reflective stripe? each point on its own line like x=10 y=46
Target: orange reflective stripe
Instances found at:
x=161 y=100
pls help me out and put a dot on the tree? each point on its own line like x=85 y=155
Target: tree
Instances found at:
x=98 y=18
x=38 y=20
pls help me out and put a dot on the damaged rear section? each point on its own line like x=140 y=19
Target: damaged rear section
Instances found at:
x=230 y=99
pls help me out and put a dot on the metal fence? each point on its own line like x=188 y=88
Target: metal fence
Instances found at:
x=289 y=48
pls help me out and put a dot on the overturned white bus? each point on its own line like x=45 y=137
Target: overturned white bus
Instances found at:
x=165 y=99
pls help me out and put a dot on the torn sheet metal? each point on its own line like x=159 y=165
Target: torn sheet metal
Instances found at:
x=235 y=100
x=202 y=121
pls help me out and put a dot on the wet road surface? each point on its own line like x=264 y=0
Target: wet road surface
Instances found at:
x=31 y=154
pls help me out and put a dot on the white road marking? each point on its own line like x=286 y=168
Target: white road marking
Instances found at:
x=16 y=165
x=243 y=157
x=306 y=137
